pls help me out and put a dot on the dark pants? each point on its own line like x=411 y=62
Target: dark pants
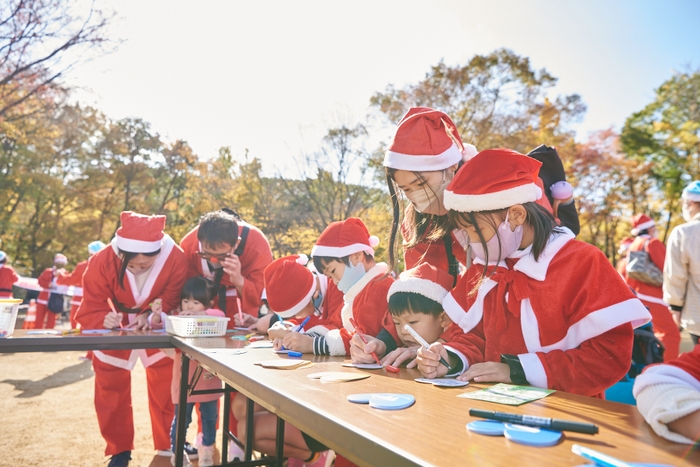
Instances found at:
x=695 y=339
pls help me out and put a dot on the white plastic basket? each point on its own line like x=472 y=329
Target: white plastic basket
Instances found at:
x=8 y=315
x=199 y=326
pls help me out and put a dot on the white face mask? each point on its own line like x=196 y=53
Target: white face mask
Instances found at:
x=687 y=216
x=504 y=243
x=428 y=199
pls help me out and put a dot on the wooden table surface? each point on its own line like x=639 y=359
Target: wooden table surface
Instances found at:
x=25 y=341
x=433 y=431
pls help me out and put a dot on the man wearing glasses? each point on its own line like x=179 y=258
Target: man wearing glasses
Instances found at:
x=234 y=255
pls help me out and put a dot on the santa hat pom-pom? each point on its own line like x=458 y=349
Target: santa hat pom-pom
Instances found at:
x=373 y=241
x=468 y=152
x=303 y=259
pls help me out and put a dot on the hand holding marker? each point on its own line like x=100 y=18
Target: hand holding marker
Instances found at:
x=425 y=344
x=374 y=354
x=299 y=328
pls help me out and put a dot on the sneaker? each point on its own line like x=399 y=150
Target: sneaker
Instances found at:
x=324 y=460
x=294 y=462
x=235 y=453
x=120 y=460
x=191 y=451
x=206 y=456
x=185 y=461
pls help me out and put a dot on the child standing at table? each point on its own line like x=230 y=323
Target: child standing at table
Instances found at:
x=344 y=252
x=537 y=307
x=415 y=299
x=197 y=298
x=295 y=293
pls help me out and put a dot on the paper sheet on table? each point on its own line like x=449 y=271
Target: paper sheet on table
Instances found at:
x=260 y=345
x=284 y=364
x=338 y=376
x=508 y=394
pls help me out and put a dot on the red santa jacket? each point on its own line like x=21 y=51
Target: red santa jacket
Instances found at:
x=685 y=370
x=568 y=316
x=75 y=279
x=255 y=258
x=657 y=254
x=8 y=276
x=101 y=281
x=366 y=303
x=45 y=279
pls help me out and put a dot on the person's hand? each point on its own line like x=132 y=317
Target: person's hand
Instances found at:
x=248 y=320
x=429 y=361
x=361 y=352
x=279 y=330
x=140 y=323
x=232 y=267
x=403 y=354
x=157 y=306
x=156 y=321
x=676 y=315
x=113 y=320
x=488 y=372
x=298 y=342
x=263 y=324
x=277 y=344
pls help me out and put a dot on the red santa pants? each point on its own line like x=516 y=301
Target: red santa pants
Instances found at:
x=43 y=314
x=665 y=329
x=113 y=403
x=73 y=311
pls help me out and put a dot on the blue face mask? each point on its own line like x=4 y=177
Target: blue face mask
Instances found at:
x=351 y=275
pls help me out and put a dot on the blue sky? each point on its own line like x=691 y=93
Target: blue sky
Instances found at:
x=272 y=76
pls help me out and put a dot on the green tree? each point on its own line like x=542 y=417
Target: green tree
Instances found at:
x=666 y=134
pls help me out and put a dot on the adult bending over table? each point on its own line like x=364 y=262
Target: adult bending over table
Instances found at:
x=141 y=264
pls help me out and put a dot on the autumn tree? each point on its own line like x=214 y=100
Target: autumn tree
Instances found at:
x=666 y=135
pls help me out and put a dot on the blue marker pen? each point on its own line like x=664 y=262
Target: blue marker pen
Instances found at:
x=294 y=354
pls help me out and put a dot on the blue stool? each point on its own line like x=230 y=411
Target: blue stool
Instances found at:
x=621 y=392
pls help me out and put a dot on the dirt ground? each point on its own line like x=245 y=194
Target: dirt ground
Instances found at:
x=48 y=417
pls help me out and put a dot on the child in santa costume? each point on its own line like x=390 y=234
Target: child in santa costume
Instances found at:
x=344 y=252
x=45 y=318
x=295 y=293
x=537 y=307
x=668 y=396
x=141 y=264
x=665 y=328
x=234 y=255
x=196 y=299
x=422 y=158
x=8 y=276
x=75 y=279
x=415 y=299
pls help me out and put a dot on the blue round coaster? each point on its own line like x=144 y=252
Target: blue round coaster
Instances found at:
x=391 y=401
x=531 y=436
x=486 y=427
x=359 y=398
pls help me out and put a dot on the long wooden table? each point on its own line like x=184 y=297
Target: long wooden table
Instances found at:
x=430 y=433
x=433 y=431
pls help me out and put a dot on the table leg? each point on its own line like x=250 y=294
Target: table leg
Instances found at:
x=280 y=442
x=249 y=429
x=182 y=410
x=226 y=431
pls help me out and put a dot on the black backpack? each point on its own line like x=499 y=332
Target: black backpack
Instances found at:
x=647 y=349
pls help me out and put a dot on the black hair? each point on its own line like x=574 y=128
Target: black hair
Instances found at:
x=541 y=220
x=218 y=228
x=411 y=302
x=320 y=262
x=127 y=256
x=199 y=288
x=421 y=227
x=4 y=260
x=643 y=232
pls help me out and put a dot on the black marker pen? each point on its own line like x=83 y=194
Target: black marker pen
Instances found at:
x=539 y=422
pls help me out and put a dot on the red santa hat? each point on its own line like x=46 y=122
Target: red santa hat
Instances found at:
x=140 y=233
x=289 y=285
x=59 y=258
x=343 y=238
x=425 y=280
x=426 y=140
x=641 y=222
x=494 y=179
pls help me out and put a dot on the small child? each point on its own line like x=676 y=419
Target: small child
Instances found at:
x=537 y=306
x=197 y=297
x=415 y=299
x=295 y=293
x=668 y=396
x=344 y=252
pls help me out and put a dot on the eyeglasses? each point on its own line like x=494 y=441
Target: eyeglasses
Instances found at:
x=218 y=257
